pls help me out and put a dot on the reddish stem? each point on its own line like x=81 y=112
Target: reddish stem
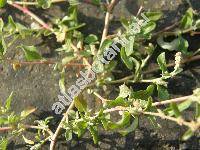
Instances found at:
x=43 y=62
x=4 y=129
x=28 y=12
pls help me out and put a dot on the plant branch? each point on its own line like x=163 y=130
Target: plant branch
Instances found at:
x=4 y=129
x=191 y=59
x=175 y=100
x=47 y=62
x=55 y=135
x=195 y=33
x=36 y=3
x=118 y=108
x=101 y=98
x=194 y=126
x=107 y=19
x=28 y=12
x=44 y=25
x=22 y=3
x=166 y=29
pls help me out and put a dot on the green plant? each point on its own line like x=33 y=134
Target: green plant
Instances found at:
x=12 y=121
x=134 y=54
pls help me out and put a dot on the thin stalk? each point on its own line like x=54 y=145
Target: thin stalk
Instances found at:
x=36 y=18
x=192 y=125
x=5 y=129
x=46 y=62
x=22 y=3
x=166 y=29
x=101 y=98
x=107 y=20
x=175 y=100
x=55 y=135
x=36 y=3
x=191 y=59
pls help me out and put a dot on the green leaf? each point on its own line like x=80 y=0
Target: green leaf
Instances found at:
x=137 y=68
x=143 y=94
x=187 y=20
x=150 y=26
x=173 y=45
x=27 y=112
x=104 y=119
x=68 y=135
x=96 y=2
x=36 y=146
x=98 y=65
x=8 y=102
x=27 y=141
x=124 y=91
x=181 y=107
x=175 y=109
x=119 y=101
x=74 y=2
x=178 y=44
x=3 y=47
x=86 y=53
x=153 y=16
x=94 y=133
x=162 y=92
x=91 y=39
x=44 y=3
x=127 y=60
x=125 y=23
x=129 y=47
x=162 y=63
x=3 y=144
x=80 y=127
x=125 y=120
x=106 y=43
x=1 y=25
x=11 y=26
x=31 y=53
x=150 y=49
x=3 y=121
x=67 y=59
x=71 y=19
x=149 y=104
x=13 y=119
x=80 y=103
x=183 y=46
x=131 y=128
x=62 y=81
x=111 y=66
x=188 y=134
x=197 y=115
x=2 y=3
x=197 y=24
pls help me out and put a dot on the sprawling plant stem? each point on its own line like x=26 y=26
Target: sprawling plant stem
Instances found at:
x=64 y=119
x=125 y=79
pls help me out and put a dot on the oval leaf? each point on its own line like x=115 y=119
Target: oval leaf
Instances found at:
x=31 y=53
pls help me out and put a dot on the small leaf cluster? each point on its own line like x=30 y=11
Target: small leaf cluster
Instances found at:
x=11 y=120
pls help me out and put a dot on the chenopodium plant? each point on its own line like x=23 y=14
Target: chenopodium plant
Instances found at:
x=133 y=105
x=134 y=54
